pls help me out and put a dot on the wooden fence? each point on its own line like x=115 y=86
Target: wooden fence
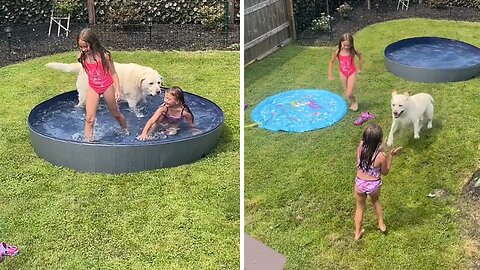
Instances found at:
x=268 y=25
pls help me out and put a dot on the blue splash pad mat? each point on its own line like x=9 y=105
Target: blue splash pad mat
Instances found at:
x=299 y=110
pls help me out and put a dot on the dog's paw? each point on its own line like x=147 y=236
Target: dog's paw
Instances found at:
x=429 y=126
x=416 y=136
x=389 y=142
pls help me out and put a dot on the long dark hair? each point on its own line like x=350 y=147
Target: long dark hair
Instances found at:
x=347 y=37
x=371 y=140
x=89 y=36
x=177 y=92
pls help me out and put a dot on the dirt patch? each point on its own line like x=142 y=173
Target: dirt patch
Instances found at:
x=470 y=220
x=472 y=188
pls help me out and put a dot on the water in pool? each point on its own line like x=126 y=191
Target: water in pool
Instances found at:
x=440 y=55
x=64 y=121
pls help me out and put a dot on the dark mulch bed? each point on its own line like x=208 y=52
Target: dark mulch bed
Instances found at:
x=362 y=17
x=33 y=41
x=472 y=188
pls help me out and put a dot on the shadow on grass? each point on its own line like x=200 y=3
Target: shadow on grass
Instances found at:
x=427 y=136
x=275 y=61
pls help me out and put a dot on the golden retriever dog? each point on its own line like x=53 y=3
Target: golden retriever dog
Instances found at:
x=136 y=81
x=408 y=109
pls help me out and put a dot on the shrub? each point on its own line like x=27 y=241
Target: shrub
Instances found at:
x=344 y=10
x=124 y=15
x=323 y=23
x=65 y=7
x=211 y=17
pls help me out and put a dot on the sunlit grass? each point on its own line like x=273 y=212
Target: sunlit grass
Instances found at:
x=186 y=217
x=299 y=186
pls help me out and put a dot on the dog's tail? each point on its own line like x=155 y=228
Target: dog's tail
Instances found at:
x=73 y=67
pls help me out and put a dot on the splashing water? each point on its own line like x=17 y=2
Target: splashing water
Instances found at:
x=61 y=119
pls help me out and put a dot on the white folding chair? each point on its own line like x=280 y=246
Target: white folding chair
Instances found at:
x=58 y=20
x=403 y=3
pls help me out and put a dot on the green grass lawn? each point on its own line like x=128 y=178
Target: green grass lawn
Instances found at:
x=299 y=186
x=186 y=217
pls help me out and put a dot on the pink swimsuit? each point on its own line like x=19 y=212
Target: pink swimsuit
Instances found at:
x=98 y=79
x=347 y=65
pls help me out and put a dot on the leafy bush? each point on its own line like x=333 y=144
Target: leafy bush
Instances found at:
x=124 y=15
x=163 y=11
x=344 y=10
x=211 y=17
x=65 y=7
x=323 y=23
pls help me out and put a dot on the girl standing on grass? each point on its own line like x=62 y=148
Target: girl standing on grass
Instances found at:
x=372 y=162
x=102 y=79
x=169 y=115
x=345 y=54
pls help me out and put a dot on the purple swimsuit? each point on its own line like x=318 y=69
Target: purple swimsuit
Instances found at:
x=369 y=186
x=172 y=119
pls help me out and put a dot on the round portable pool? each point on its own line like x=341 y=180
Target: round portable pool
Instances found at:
x=56 y=132
x=432 y=59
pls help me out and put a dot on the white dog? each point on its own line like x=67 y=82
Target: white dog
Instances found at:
x=136 y=81
x=408 y=109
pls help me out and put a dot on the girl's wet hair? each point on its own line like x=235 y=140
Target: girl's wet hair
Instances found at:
x=347 y=37
x=89 y=36
x=177 y=92
x=371 y=140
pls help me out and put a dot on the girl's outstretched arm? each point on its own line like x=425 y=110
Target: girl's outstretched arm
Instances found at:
x=387 y=160
x=156 y=116
x=330 y=65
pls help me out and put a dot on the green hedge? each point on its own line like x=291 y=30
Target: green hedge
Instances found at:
x=454 y=3
x=111 y=11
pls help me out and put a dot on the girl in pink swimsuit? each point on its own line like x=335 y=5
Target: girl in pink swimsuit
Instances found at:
x=102 y=79
x=345 y=54
x=372 y=162
x=169 y=115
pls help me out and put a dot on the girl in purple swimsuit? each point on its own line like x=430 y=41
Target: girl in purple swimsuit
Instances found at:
x=169 y=115
x=102 y=79
x=345 y=54
x=372 y=162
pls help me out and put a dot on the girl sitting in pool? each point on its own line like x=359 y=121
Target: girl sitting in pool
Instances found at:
x=169 y=115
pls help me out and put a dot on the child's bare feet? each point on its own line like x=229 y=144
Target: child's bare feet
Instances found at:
x=382 y=228
x=125 y=131
x=354 y=106
x=359 y=235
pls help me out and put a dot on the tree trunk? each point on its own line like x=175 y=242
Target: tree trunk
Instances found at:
x=231 y=12
x=91 y=12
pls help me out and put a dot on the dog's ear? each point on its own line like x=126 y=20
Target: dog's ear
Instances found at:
x=407 y=93
x=394 y=92
x=140 y=82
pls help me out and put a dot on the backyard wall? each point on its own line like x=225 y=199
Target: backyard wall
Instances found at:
x=269 y=24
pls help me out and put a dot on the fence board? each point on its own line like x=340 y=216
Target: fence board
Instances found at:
x=268 y=25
